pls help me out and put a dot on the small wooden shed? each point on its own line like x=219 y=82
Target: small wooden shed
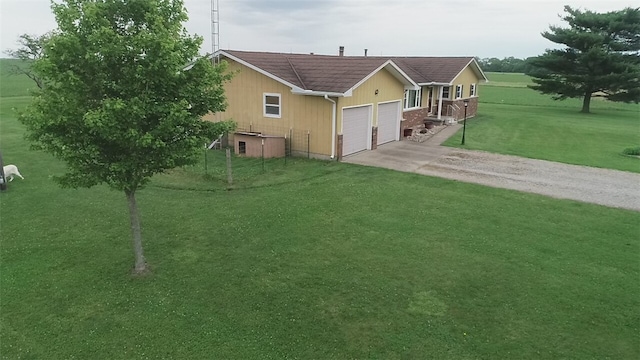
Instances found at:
x=253 y=144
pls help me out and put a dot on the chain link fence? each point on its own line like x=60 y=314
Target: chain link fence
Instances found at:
x=297 y=142
x=220 y=168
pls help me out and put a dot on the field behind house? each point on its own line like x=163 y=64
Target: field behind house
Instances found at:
x=309 y=260
x=516 y=120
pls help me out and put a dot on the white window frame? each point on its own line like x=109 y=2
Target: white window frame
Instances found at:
x=418 y=100
x=472 y=90
x=459 y=89
x=264 y=105
x=448 y=93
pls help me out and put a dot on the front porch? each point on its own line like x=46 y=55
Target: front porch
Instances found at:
x=452 y=112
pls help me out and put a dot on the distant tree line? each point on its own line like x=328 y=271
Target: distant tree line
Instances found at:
x=507 y=65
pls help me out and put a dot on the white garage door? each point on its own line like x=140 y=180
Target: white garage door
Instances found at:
x=355 y=129
x=388 y=122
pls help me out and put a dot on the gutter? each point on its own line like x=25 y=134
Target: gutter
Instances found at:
x=333 y=126
x=319 y=93
x=435 y=84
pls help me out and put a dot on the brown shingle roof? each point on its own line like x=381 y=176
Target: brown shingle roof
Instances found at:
x=432 y=69
x=327 y=73
x=312 y=72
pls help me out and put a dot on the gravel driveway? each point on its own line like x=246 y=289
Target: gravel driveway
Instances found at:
x=611 y=188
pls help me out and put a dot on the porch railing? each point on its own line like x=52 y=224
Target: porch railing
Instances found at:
x=451 y=109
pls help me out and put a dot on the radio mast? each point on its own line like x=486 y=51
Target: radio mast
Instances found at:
x=215 y=32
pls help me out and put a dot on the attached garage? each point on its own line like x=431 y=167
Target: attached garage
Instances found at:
x=388 y=122
x=356 y=126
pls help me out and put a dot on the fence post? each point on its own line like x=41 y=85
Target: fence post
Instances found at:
x=285 y=149
x=205 y=159
x=262 y=149
x=229 y=174
x=308 y=144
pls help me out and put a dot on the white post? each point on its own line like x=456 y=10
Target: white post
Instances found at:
x=440 y=102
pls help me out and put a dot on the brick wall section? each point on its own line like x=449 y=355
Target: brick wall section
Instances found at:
x=472 y=109
x=374 y=138
x=412 y=118
x=339 y=150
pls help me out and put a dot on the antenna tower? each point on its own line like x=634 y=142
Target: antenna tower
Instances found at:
x=215 y=32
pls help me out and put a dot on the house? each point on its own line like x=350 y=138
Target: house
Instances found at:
x=330 y=106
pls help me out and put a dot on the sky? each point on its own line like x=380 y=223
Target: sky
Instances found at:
x=483 y=28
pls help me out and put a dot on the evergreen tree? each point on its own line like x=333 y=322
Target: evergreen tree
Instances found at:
x=601 y=57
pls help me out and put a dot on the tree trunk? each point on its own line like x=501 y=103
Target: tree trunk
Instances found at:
x=140 y=265
x=586 y=102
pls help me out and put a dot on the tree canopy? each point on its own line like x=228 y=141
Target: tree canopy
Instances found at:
x=31 y=48
x=601 y=57
x=118 y=105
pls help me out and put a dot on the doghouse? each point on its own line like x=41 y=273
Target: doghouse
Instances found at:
x=252 y=144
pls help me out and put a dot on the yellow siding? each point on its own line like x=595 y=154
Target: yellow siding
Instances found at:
x=389 y=89
x=425 y=95
x=301 y=113
x=436 y=93
x=466 y=78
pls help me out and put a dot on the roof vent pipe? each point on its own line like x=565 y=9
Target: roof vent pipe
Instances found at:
x=341 y=53
x=365 y=52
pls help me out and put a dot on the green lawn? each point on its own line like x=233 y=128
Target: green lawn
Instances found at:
x=310 y=260
x=516 y=120
x=508 y=79
x=10 y=85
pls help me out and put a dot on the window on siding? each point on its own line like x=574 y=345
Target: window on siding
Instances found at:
x=458 y=91
x=272 y=106
x=472 y=90
x=412 y=99
x=242 y=147
x=445 y=92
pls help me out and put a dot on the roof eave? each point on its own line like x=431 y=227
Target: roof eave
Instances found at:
x=484 y=77
x=395 y=70
x=475 y=68
x=294 y=88
x=321 y=93
x=435 y=83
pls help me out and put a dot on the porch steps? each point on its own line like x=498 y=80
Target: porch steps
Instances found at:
x=448 y=120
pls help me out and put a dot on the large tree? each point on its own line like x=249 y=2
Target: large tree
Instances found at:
x=601 y=57
x=31 y=48
x=118 y=105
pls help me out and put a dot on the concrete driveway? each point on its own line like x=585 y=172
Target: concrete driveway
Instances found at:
x=611 y=188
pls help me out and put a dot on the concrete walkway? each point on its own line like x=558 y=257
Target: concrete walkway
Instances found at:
x=606 y=187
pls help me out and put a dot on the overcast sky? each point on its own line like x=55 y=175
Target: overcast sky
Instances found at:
x=484 y=28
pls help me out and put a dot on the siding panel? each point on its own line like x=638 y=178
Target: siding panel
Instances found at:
x=300 y=113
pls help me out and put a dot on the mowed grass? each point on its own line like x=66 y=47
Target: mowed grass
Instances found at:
x=350 y=262
x=508 y=79
x=11 y=85
x=516 y=120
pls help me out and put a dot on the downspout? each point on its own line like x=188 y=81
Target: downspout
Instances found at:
x=333 y=126
x=440 y=102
